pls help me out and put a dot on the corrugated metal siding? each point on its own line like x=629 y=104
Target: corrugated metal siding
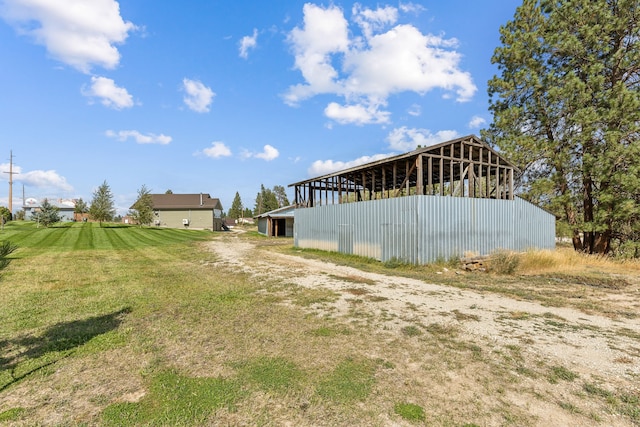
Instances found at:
x=263 y=224
x=423 y=229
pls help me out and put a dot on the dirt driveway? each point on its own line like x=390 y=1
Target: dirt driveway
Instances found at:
x=591 y=345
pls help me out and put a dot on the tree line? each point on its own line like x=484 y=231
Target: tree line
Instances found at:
x=101 y=208
x=266 y=201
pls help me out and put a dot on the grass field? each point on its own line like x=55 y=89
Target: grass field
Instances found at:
x=128 y=326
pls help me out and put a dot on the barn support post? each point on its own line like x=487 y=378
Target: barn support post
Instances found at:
x=420 y=175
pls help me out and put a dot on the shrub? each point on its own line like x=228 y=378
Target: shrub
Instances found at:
x=504 y=262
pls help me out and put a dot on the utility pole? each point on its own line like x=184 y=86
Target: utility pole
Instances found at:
x=11 y=173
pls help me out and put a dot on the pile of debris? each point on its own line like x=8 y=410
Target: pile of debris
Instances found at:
x=475 y=263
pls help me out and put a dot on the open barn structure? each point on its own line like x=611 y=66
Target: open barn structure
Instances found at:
x=442 y=201
x=465 y=167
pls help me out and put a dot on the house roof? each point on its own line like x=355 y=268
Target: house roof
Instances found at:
x=185 y=201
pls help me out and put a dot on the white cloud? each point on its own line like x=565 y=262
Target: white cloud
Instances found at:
x=138 y=137
x=111 y=95
x=268 y=153
x=323 y=167
x=405 y=139
x=385 y=62
x=198 y=97
x=79 y=33
x=476 y=122
x=358 y=114
x=49 y=180
x=248 y=42
x=374 y=20
x=411 y=8
x=217 y=150
x=415 y=110
x=325 y=32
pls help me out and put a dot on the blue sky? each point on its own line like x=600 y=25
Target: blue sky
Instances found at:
x=223 y=96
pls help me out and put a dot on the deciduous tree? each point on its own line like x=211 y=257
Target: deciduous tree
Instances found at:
x=566 y=108
x=5 y=214
x=142 y=209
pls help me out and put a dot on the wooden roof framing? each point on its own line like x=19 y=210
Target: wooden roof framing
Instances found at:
x=463 y=167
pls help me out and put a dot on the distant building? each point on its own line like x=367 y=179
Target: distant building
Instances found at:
x=277 y=223
x=65 y=207
x=196 y=211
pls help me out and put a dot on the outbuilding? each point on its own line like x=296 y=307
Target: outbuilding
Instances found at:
x=440 y=202
x=277 y=223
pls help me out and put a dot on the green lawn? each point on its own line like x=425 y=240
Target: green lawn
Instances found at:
x=125 y=326
x=93 y=313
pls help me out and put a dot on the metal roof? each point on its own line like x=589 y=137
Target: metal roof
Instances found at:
x=283 y=212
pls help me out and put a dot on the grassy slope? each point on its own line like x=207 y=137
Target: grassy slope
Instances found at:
x=132 y=326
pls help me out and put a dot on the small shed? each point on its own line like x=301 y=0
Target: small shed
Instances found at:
x=277 y=223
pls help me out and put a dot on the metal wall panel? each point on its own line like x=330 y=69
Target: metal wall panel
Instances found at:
x=423 y=229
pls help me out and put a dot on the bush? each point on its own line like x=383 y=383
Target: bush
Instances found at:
x=6 y=248
x=504 y=262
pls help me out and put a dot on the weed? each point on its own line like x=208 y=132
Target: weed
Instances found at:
x=409 y=411
x=561 y=373
x=504 y=262
x=271 y=374
x=568 y=406
x=460 y=316
x=596 y=390
x=306 y=297
x=174 y=399
x=442 y=331
x=350 y=381
x=394 y=263
x=357 y=291
x=13 y=414
x=411 y=331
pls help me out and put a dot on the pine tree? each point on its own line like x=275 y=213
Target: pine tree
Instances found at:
x=235 y=211
x=47 y=215
x=102 y=204
x=281 y=195
x=266 y=201
x=566 y=109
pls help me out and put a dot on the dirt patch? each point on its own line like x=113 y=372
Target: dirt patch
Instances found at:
x=593 y=346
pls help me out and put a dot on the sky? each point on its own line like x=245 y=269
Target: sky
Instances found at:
x=219 y=97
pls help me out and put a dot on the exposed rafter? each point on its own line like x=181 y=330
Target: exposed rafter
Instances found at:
x=464 y=167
